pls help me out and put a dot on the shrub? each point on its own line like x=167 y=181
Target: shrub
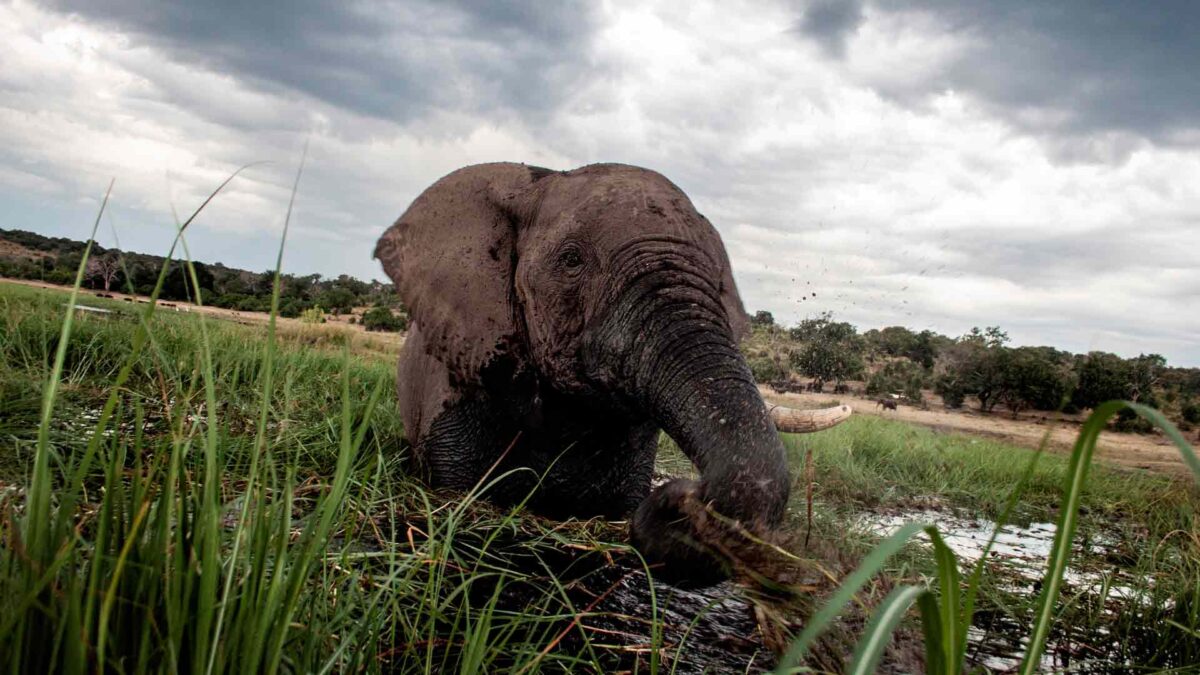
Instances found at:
x=766 y=369
x=313 y=315
x=338 y=300
x=252 y=304
x=292 y=308
x=952 y=390
x=1190 y=411
x=382 y=319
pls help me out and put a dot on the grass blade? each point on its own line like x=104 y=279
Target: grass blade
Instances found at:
x=953 y=626
x=931 y=627
x=1068 y=519
x=869 y=567
x=879 y=630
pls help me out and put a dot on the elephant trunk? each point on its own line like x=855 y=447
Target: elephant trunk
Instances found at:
x=705 y=398
x=681 y=365
x=703 y=395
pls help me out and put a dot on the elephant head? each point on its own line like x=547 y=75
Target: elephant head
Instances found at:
x=605 y=287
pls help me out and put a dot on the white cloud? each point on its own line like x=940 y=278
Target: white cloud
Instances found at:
x=927 y=209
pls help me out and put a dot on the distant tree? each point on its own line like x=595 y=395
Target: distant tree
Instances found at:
x=263 y=283
x=832 y=350
x=973 y=365
x=762 y=318
x=1145 y=372
x=105 y=268
x=233 y=283
x=924 y=348
x=1036 y=377
x=991 y=336
x=1190 y=382
x=1101 y=377
x=358 y=288
x=178 y=284
x=898 y=376
x=337 y=300
x=891 y=341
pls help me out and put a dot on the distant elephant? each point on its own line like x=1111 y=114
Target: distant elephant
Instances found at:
x=559 y=320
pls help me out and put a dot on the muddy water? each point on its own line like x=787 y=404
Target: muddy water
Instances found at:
x=1018 y=558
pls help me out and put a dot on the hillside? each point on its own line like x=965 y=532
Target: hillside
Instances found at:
x=28 y=255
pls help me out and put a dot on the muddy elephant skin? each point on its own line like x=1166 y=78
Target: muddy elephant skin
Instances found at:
x=559 y=321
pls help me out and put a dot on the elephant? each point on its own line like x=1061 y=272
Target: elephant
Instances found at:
x=559 y=320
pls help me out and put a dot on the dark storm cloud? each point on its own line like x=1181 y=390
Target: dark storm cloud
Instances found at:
x=830 y=22
x=392 y=60
x=1076 y=67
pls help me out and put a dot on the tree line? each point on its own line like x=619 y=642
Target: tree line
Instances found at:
x=978 y=368
x=56 y=259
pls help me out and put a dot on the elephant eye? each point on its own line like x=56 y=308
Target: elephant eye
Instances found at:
x=570 y=258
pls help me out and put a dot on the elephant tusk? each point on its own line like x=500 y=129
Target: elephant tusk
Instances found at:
x=792 y=421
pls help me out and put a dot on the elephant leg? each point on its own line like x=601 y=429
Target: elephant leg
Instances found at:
x=635 y=469
x=606 y=476
x=455 y=439
x=463 y=443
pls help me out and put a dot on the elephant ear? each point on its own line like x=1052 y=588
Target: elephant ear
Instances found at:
x=452 y=257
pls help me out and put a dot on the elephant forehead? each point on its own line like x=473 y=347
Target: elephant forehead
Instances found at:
x=611 y=212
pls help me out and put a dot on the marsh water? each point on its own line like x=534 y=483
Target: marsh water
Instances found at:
x=721 y=632
x=1016 y=564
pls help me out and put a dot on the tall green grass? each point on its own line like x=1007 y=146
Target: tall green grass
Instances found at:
x=201 y=499
x=946 y=611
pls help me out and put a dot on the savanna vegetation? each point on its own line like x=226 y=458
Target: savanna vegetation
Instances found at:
x=181 y=493
x=28 y=255
x=979 y=368
x=270 y=523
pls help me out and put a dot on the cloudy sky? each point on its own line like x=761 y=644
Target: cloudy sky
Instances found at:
x=933 y=164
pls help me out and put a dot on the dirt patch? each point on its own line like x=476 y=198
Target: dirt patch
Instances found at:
x=1152 y=452
x=11 y=249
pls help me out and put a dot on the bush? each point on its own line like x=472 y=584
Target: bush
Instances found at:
x=292 y=308
x=382 y=319
x=1129 y=421
x=338 y=300
x=313 y=315
x=901 y=375
x=952 y=390
x=252 y=304
x=1037 y=377
x=765 y=369
x=1190 y=411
